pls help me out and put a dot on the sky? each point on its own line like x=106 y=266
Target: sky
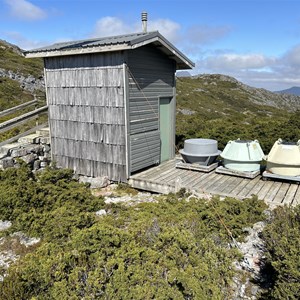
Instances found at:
x=255 y=41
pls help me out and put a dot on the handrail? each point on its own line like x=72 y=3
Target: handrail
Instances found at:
x=21 y=119
x=18 y=107
x=15 y=138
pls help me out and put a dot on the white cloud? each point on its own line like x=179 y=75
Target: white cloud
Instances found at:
x=168 y=28
x=22 y=42
x=273 y=73
x=202 y=34
x=25 y=10
x=110 y=26
x=236 y=62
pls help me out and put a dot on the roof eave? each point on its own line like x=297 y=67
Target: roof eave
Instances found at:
x=85 y=50
x=182 y=62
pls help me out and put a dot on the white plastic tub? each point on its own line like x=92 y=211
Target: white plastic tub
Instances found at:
x=242 y=155
x=284 y=158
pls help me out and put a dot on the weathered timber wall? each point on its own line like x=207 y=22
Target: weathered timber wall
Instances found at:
x=151 y=76
x=86 y=113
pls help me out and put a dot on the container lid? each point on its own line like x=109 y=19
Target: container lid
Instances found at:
x=243 y=151
x=285 y=153
x=200 y=154
x=201 y=147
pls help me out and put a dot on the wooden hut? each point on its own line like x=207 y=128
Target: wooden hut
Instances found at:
x=112 y=102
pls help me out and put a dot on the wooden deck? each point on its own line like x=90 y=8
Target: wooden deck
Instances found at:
x=166 y=178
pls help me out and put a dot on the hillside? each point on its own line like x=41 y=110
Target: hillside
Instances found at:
x=220 y=107
x=20 y=78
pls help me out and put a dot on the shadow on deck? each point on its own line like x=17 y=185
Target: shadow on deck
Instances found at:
x=166 y=178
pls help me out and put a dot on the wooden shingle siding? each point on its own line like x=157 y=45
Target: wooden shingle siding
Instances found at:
x=92 y=151
x=98 y=133
x=150 y=76
x=86 y=113
x=92 y=168
x=105 y=97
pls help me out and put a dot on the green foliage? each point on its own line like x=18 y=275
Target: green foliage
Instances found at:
x=282 y=244
x=11 y=94
x=49 y=205
x=173 y=249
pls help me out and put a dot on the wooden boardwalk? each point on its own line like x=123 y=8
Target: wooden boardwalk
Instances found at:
x=166 y=178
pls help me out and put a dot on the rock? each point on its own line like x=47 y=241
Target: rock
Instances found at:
x=19 y=152
x=36 y=165
x=252 y=250
x=30 y=139
x=186 y=112
x=7 y=149
x=44 y=164
x=28 y=83
x=130 y=200
x=45 y=140
x=95 y=182
x=3 y=152
x=29 y=159
x=4 y=225
x=46 y=148
x=25 y=240
x=44 y=132
x=6 y=162
x=101 y=212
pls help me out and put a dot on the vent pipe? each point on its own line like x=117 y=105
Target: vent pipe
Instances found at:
x=144 y=21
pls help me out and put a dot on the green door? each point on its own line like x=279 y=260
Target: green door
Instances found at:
x=165 y=128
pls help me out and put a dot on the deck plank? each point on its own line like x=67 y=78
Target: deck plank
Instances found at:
x=163 y=174
x=248 y=187
x=281 y=193
x=272 y=193
x=193 y=176
x=197 y=181
x=155 y=170
x=219 y=185
x=265 y=189
x=238 y=188
x=179 y=175
x=232 y=183
x=289 y=197
x=256 y=188
x=208 y=180
x=296 y=200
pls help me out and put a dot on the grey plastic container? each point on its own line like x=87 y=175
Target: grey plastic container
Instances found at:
x=200 y=151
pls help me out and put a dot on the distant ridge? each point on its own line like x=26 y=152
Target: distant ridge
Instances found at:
x=183 y=74
x=220 y=93
x=295 y=90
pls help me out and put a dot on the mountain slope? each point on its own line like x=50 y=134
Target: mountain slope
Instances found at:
x=220 y=107
x=295 y=90
x=227 y=93
x=20 y=78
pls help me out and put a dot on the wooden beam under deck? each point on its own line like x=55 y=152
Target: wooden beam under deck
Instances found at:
x=166 y=178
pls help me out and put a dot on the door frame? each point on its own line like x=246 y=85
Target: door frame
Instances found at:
x=172 y=120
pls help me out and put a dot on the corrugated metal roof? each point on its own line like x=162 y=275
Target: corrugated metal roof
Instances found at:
x=114 y=43
x=113 y=40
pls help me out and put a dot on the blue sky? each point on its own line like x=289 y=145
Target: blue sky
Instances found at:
x=255 y=41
